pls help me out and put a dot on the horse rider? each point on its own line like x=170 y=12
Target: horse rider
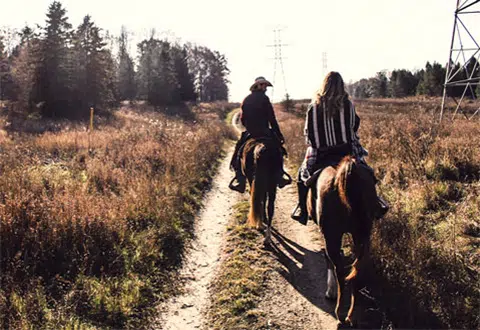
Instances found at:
x=331 y=132
x=258 y=117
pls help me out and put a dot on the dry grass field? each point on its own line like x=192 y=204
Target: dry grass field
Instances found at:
x=93 y=225
x=426 y=251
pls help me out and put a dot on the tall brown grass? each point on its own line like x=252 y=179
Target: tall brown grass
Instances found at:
x=93 y=225
x=426 y=251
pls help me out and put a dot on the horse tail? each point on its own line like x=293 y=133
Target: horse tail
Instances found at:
x=344 y=184
x=258 y=190
x=343 y=173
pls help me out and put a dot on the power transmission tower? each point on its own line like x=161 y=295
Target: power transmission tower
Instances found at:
x=278 y=58
x=324 y=64
x=465 y=50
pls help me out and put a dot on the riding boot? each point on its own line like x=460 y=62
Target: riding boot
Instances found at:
x=382 y=208
x=284 y=179
x=235 y=155
x=241 y=181
x=302 y=204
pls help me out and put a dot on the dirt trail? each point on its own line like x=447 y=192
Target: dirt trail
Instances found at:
x=295 y=289
x=295 y=293
x=186 y=311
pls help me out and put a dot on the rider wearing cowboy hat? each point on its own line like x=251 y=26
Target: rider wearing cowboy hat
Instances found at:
x=258 y=117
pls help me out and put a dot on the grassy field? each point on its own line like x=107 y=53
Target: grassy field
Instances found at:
x=93 y=225
x=239 y=284
x=426 y=251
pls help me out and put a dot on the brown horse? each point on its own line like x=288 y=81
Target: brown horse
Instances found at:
x=343 y=201
x=262 y=165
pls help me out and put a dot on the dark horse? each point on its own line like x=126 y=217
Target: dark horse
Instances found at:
x=262 y=165
x=343 y=201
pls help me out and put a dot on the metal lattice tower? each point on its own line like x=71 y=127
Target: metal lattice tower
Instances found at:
x=464 y=50
x=278 y=58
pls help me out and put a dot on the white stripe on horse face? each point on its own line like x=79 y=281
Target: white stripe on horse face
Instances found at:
x=315 y=126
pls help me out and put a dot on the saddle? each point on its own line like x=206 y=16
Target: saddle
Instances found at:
x=313 y=178
x=245 y=137
x=324 y=158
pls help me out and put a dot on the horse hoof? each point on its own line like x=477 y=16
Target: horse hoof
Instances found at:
x=344 y=325
x=267 y=242
x=330 y=296
x=349 y=323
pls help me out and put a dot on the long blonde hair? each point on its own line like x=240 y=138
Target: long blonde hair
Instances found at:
x=332 y=93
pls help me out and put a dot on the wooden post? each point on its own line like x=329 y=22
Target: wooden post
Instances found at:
x=91 y=119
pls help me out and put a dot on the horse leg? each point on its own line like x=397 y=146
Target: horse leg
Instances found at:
x=333 y=243
x=271 y=207
x=361 y=248
x=331 y=292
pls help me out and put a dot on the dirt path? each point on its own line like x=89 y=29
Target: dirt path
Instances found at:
x=294 y=297
x=186 y=311
x=295 y=289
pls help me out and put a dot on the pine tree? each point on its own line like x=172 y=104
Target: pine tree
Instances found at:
x=432 y=80
x=378 y=85
x=185 y=91
x=94 y=69
x=402 y=83
x=54 y=80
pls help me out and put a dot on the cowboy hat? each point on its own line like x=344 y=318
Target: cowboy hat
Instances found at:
x=260 y=80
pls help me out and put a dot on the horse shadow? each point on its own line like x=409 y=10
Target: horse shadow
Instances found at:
x=304 y=269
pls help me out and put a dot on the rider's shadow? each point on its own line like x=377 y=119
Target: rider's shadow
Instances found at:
x=305 y=270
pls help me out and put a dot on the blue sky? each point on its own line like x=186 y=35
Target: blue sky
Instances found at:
x=360 y=37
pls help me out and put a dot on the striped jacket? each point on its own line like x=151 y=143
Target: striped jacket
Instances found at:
x=323 y=133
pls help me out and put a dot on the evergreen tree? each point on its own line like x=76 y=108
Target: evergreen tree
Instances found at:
x=94 y=69
x=378 y=85
x=53 y=80
x=473 y=71
x=432 y=80
x=185 y=90
x=402 y=83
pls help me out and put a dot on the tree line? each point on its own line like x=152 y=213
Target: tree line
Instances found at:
x=62 y=71
x=427 y=81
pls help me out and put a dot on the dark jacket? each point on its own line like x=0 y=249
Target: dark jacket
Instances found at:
x=257 y=115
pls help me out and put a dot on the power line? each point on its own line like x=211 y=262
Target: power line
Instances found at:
x=278 y=59
x=324 y=64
